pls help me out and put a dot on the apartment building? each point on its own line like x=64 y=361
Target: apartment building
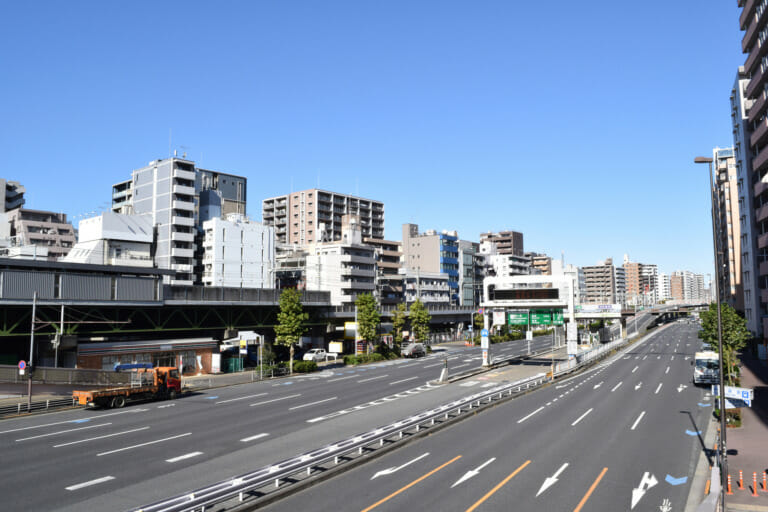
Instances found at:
x=540 y=263
x=346 y=268
x=238 y=253
x=178 y=197
x=620 y=284
x=728 y=227
x=389 y=281
x=44 y=232
x=687 y=287
x=754 y=22
x=507 y=242
x=314 y=215
x=600 y=283
x=433 y=252
x=431 y=288
x=750 y=256
x=469 y=286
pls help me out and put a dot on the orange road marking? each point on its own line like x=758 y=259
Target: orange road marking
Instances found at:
x=411 y=484
x=498 y=486
x=591 y=489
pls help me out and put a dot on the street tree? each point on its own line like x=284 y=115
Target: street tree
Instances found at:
x=399 y=317
x=368 y=317
x=291 y=320
x=419 y=321
x=735 y=335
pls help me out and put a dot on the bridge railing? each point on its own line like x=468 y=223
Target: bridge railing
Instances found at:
x=221 y=294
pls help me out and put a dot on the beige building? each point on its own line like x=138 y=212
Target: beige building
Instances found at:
x=600 y=283
x=41 y=229
x=507 y=242
x=389 y=282
x=315 y=215
x=729 y=231
x=432 y=252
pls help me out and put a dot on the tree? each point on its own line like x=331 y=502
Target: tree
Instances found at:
x=368 y=317
x=398 y=322
x=735 y=335
x=290 y=320
x=419 y=321
x=479 y=321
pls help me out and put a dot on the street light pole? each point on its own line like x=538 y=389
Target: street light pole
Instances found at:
x=723 y=449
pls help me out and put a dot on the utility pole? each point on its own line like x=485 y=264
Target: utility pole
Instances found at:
x=31 y=351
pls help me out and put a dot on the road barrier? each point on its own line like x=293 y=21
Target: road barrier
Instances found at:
x=39 y=406
x=754 y=484
x=741 y=480
x=266 y=481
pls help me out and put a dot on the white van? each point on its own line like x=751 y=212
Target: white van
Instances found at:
x=706 y=367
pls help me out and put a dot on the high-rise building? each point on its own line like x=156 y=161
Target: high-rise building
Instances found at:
x=433 y=252
x=389 y=281
x=507 y=242
x=178 y=197
x=728 y=227
x=750 y=271
x=620 y=278
x=600 y=283
x=314 y=215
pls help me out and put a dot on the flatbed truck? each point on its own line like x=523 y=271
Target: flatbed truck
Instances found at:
x=147 y=383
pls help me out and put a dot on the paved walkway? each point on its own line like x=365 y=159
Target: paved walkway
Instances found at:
x=748 y=445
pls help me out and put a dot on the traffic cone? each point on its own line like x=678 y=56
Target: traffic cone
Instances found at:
x=754 y=485
x=741 y=481
x=729 y=491
x=765 y=486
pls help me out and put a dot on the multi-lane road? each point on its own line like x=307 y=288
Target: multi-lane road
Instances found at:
x=118 y=459
x=624 y=436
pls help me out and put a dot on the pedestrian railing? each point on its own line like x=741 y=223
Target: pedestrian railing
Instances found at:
x=38 y=406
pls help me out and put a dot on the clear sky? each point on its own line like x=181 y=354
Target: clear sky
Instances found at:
x=573 y=122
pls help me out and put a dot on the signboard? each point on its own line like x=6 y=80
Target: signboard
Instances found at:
x=518 y=318
x=336 y=347
x=529 y=335
x=557 y=317
x=485 y=342
x=498 y=317
x=735 y=397
x=541 y=317
x=350 y=328
x=524 y=294
x=22 y=365
x=215 y=363
x=598 y=310
x=571 y=332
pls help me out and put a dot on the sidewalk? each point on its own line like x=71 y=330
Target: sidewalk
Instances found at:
x=748 y=446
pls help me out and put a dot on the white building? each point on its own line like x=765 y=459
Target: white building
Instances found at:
x=428 y=287
x=665 y=292
x=346 y=268
x=238 y=253
x=113 y=239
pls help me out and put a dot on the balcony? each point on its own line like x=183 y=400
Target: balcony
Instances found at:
x=185 y=175
x=750 y=37
x=182 y=221
x=182 y=189
x=755 y=84
x=358 y=272
x=178 y=252
x=183 y=268
x=182 y=237
x=762 y=213
x=762 y=241
x=758 y=163
x=183 y=205
x=763 y=268
x=757 y=108
x=746 y=13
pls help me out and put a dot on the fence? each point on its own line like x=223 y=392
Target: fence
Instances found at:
x=48 y=375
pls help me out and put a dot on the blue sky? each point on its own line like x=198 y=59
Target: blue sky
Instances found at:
x=573 y=122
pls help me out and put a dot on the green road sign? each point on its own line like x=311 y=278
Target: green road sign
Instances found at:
x=557 y=317
x=541 y=317
x=518 y=318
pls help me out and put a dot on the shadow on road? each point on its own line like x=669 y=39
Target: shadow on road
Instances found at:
x=707 y=451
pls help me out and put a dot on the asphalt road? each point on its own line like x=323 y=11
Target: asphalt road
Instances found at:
x=117 y=459
x=623 y=436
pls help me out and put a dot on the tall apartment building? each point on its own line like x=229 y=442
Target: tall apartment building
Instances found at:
x=48 y=231
x=315 y=215
x=600 y=283
x=753 y=20
x=750 y=271
x=346 y=268
x=641 y=282
x=507 y=242
x=468 y=281
x=620 y=284
x=433 y=252
x=728 y=227
x=238 y=253
x=178 y=197
x=664 y=287
x=688 y=287
x=389 y=281
x=429 y=287
x=541 y=263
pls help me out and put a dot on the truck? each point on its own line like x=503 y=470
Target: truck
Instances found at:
x=706 y=367
x=147 y=383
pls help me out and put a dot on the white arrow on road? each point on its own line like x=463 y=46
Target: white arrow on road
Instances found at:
x=639 y=385
x=598 y=385
x=391 y=470
x=473 y=472
x=646 y=483
x=681 y=387
x=550 y=481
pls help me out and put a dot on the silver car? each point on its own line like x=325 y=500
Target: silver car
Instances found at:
x=413 y=350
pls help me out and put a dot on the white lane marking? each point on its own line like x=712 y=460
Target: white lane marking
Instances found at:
x=673 y=358
x=598 y=384
x=62 y=432
x=433 y=365
x=638 y=420
x=551 y=480
x=100 y=437
x=404 y=380
x=658 y=388
x=658 y=357
x=253 y=438
x=534 y=412
x=90 y=482
x=143 y=444
x=185 y=456
x=73 y=421
x=394 y=469
x=373 y=378
x=469 y=384
x=617 y=386
x=343 y=378
x=473 y=472
x=166 y=406
x=581 y=417
x=313 y=403
x=636 y=367
x=667 y=370
x=275 y=400
x=461 y=366
x=241 y=398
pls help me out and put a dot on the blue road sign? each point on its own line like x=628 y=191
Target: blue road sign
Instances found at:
x=484 y=332
x=22 y=364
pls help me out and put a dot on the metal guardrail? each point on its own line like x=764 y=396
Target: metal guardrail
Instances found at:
x=48 y=375
x=266 y=480
x=40 y=406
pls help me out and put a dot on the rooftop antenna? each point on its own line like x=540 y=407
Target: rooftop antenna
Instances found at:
x=170 y=139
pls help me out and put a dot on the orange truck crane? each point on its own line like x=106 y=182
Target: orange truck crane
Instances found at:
x=147 y=383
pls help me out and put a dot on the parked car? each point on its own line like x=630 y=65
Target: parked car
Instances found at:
x=413 y=350
x=316 y=354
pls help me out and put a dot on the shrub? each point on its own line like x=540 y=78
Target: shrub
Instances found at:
x=304 y=366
